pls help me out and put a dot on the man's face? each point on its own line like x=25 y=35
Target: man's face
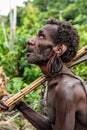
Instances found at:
x=40 y=48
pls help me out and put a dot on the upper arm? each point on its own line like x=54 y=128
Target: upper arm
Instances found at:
x=65 y=109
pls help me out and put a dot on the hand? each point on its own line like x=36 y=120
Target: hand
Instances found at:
x=3 y=106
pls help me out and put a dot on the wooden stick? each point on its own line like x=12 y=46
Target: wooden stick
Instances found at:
x=80 y=54
x=9 y=102
x=25 y=91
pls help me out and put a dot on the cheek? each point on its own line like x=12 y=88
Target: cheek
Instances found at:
x=45 y=49
x=47 y=53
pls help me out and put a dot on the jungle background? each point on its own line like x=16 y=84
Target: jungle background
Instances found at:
x=13 y=49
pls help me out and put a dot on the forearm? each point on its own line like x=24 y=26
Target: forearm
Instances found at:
x=36 y=119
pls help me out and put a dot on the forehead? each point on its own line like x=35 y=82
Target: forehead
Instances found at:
x=49 y=29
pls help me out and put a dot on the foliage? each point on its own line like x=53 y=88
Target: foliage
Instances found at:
x=29 y=20
x=20 y=73
x=44 y=5
x=82 y=67
x=82 y=6
x=70 y=12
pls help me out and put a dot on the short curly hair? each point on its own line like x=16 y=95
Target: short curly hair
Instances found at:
x=66 y=34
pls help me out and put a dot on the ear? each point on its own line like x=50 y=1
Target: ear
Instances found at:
x=60 y=49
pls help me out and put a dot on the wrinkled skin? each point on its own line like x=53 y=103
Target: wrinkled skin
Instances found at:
x=66 y=97
x=40 y=47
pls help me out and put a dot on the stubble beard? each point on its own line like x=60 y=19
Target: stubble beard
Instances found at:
x=39 y=58
x=36 y=59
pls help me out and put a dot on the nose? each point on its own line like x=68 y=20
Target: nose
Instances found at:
x=31 y=41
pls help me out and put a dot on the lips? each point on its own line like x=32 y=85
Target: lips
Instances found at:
x=29 y=49
x=28 y=53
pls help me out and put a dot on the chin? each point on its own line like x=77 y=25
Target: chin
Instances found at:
x=32 y=59
x=29 y=59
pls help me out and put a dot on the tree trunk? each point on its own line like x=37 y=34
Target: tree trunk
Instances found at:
x=13 y=15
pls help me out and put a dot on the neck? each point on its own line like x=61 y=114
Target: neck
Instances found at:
x=53 y=67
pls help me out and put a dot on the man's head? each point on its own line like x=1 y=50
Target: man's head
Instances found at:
x=55 y=38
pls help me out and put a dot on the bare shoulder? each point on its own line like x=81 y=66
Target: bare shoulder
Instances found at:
x=70 y=89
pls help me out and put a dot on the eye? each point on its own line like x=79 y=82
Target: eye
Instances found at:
x=41 y=36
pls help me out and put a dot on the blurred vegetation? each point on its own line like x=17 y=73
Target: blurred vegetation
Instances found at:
x=29 y=20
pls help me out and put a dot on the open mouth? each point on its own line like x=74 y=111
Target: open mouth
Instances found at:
x=29 y=50
x=29 y=53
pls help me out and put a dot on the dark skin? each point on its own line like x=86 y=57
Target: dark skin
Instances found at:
x=66 y=98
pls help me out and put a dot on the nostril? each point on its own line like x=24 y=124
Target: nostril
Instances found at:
x=31 y=41
x=28 y=41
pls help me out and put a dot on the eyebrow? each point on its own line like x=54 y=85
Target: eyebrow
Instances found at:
x=40 y=32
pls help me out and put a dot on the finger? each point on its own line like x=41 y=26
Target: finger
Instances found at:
x=11 y=108
x=14 y=106
x=6 y=97
x=3 y=105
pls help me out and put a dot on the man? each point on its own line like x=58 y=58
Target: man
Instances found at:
x=55 y=44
